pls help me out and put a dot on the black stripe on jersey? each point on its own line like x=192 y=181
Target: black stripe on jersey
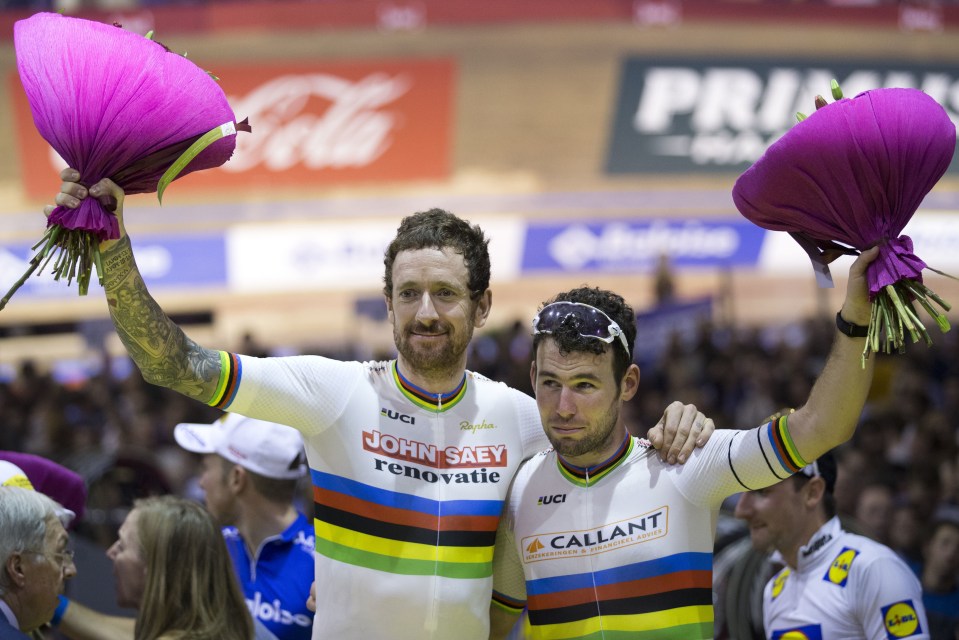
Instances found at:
x=729 y=457
x=624 y=606
x=400 y=532
x=759 y=440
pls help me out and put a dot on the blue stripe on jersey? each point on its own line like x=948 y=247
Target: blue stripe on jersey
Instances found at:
x=405 y=501
x=637 y=571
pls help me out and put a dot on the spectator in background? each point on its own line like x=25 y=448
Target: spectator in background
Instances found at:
x=34 y=561
x=939 y=573
x=835 y=584
x=172 y=566
x=874 y=510
x=250 y=474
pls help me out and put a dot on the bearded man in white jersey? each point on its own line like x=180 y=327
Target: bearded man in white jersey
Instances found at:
x=600 y=539
x=410 y=459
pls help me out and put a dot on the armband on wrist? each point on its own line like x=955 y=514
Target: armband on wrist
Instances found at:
x=850 y=329
x=61 y=609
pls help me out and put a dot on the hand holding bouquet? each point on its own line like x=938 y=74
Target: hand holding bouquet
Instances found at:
x=850 y=177
x=116 y=105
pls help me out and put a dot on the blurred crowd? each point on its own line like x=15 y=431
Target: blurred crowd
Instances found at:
x=899 y=471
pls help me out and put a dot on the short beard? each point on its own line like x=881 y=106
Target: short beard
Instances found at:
x=595 y=441
x=439 y=361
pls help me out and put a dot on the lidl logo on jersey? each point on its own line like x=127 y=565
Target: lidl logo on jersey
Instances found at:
x=808 y=632
x=838 y=572
x=901 y=620
x=780 y=582
x=641 y=528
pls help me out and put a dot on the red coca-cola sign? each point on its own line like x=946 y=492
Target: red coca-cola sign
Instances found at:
x=313 y=125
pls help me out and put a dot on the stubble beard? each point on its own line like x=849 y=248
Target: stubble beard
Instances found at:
x=594 y=441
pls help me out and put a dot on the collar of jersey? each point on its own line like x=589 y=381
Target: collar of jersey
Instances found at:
x=585 y=476
x=424 y=399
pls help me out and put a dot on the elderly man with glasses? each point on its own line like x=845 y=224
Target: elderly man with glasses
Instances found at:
x=35 y=561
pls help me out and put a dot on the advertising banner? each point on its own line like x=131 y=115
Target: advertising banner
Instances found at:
x=313 y=124
x=719 y=115
x=197 y=260
x=633 y=245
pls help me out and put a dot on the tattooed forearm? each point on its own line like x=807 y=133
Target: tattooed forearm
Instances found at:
x=164 y=354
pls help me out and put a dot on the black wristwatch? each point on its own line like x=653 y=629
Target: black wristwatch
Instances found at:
x=850 y=329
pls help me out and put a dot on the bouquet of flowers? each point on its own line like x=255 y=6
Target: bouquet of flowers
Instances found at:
x=114 y=104
x=850 y=177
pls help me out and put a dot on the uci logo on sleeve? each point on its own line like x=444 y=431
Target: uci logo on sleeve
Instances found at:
x=838 y=572
x=808 y=632
x=901 y=620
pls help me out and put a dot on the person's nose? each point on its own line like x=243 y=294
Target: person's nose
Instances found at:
x=69 y=569
x=112 y=551
x=426 y=311
x=744 y=506
x=566 y=407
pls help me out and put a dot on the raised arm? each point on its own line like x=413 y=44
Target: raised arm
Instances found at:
x=831 y=413
x=163 y=353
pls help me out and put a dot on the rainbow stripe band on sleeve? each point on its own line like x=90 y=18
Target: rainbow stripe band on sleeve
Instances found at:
x=511 y=605
x=784 y=446
x=230 y=373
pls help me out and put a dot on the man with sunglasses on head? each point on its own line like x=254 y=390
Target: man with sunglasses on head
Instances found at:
x=599 y=538
x=410 y=459
x=834 y=584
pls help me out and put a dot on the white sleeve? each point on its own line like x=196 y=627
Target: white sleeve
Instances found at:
x=305 y=392
x=889 y=601
x=736 y=461
x=509 y=580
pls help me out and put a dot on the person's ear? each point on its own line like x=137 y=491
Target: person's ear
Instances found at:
x=532 y=376
x=813 y=492
x=237 y=479
x=630 y=383
x=389 y=308
x=483 y=305
x=15 y=569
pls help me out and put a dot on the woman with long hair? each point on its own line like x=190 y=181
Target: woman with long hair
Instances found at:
x=172 y=565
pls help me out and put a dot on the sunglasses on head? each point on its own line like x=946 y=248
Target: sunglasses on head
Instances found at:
x=587 y=320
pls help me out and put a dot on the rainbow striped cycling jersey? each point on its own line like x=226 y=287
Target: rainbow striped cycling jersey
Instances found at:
x=624 y=549
x=408 y=487
x=844 y=586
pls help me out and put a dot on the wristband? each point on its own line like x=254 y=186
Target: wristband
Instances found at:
x=61 y=609
x=850 y=329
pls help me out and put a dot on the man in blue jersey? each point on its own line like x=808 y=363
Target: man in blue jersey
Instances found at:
x=249 y=480
x=598 y=537
x=834 y=584
x=410 y=458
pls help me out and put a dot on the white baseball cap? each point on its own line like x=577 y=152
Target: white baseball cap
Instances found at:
x=267 y=448
x=13 y=476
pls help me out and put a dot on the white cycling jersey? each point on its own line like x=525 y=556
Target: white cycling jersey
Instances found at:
x=408 y=487
x=845 y=586
x=624 y=549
